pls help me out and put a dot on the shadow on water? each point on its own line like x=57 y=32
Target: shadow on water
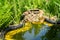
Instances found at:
x=53 y=33
x=40 y=32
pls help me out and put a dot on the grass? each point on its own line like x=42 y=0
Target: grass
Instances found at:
x=11 y=10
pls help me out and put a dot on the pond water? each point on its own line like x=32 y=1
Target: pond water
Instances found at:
x=39 y=32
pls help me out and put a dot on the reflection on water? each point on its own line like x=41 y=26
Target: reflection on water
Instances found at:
x=31 y=36
x=38 y=32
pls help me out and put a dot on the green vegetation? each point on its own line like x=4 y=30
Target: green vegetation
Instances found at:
x=10 y=10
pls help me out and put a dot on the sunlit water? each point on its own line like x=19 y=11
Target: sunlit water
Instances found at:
x=35 y=33
x=33 y=36
x=39 y=32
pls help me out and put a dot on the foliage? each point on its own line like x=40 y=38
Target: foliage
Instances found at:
x=10 y=10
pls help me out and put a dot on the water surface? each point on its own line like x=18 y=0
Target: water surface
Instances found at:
x=40 y=32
